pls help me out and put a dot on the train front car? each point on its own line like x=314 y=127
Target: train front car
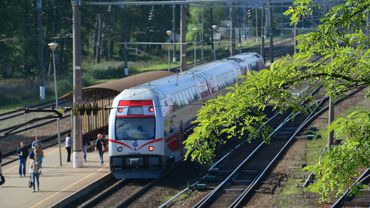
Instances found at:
x=135 y=142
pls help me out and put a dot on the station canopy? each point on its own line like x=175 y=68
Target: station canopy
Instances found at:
x=112 y=88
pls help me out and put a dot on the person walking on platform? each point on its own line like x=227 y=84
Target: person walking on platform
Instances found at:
x=35 y=170
x=68 y=147
x=36 y=143
x=39 y=156
x=99 y=147
x=85 y=143
x=22 y=152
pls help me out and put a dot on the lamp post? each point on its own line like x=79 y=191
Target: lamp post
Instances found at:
x=169 y=33
x=52 y=47
x=214 y=27
x=195 y=45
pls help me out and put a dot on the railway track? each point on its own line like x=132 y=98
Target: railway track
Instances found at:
x=18 y=112
x=239 y=183
x=231 y=173
x=12 y=123
x=232 y=188
x=119 y=193
x=362 y=199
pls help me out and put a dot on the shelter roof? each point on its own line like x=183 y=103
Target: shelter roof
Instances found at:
x=112 y=88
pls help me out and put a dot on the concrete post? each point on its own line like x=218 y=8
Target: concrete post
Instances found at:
x=77 y=94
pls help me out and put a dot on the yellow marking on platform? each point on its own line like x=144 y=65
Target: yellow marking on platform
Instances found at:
x=51 y=196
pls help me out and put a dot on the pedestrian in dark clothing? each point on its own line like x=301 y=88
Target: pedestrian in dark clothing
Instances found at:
x=2 y=178
x=85 y=143
x=22 y=152
x=1 y=156
x=68 y=147
x=100 y=147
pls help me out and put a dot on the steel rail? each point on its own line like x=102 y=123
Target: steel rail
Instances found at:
x=203 y=202
x=365 y=175
x=12 y=130
x=241 y=198
x=214 y=165
x=92 y=202
x=147 y=187
x=318 y=110
x=22 y=111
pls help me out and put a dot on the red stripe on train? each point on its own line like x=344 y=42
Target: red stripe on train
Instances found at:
x=135 y=102
x=121 y=143
x=149 y=142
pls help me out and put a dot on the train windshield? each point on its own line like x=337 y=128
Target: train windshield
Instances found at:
x=135 y=128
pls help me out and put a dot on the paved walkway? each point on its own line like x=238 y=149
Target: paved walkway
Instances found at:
x=56 y=183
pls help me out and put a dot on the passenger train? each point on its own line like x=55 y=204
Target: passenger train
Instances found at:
x=147 y=122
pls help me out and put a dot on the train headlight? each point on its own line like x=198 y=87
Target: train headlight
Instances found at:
x=151 y=148
x=120 y=109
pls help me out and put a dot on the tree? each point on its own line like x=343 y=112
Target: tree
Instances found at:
x=344 y=58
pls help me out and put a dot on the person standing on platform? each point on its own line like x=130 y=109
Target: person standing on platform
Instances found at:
x=99 y=146
x=22 y=152
x=85 y=143
x=68 y=147
x=35 y=170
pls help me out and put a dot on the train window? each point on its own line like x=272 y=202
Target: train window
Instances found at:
x=135 y=128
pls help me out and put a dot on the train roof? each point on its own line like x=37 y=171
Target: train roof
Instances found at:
x=182 y=81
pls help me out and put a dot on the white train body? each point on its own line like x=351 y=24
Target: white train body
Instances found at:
x=146 y=122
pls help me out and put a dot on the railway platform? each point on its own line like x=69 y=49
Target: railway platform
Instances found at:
x=56 y=182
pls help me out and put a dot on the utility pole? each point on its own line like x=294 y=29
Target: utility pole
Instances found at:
x=202 y=36
x=256 y=25
x=77 y=94
x=330 y=120
x=173 y=33
x=41 y=49
x=262 y=34
x=294 y=38
x=271 y=35
x=183 y=38
x=212 y=30
x=232 y=32
x=124 y=46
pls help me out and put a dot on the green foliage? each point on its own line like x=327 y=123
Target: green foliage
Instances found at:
x=340 y=166
x=335 y=56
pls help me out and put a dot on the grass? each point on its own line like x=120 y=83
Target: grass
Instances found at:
x=177 y=199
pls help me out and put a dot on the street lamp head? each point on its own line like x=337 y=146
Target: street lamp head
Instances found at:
x=214 y=27
x=53 y=46
x=169 y=32
x=195 y=29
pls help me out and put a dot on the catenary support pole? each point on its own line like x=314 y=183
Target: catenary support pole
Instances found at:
x=77 y=94
x=173 y=33
x=271 y=33
x=330 y=120
x=183 y=38
x=262 y=33
x=41 y=49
